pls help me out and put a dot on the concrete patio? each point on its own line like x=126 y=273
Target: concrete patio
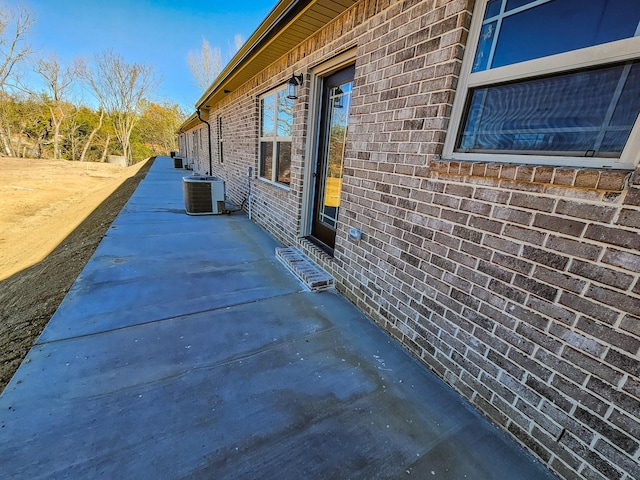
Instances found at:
x=185 y=349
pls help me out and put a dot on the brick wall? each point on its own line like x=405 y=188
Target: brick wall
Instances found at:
x=518 y=285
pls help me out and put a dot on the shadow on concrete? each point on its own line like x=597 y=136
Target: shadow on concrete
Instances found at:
x=29 y=298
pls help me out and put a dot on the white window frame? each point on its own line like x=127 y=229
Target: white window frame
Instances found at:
x=613 y=52
x=274 y=139
x=220 y=142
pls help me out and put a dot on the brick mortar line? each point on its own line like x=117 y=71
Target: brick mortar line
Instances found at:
x=564 y=191
x=573 y=402
x=509 y=205
x=479 y=169
x=564 y=342
x=534 y=214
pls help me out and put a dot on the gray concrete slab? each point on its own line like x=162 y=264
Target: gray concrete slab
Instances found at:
x=185 y=350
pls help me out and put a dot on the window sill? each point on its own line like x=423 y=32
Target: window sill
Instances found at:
x=573 y=177
x=281 y=186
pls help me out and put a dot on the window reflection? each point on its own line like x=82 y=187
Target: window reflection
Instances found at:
x=556 y=26
x=276 y=125
x=493 y=8
x=285 y=115
x=582 y=113
x=268 y=116
x=511 y=4
x=266 y=159
x=284 y=162
x=339 y=103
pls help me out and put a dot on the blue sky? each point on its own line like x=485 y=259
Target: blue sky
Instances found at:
x=154 y=32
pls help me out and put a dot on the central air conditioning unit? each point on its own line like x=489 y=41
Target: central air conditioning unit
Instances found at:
x=203 y=195
x=177 y=162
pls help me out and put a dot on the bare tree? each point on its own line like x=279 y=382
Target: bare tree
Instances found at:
x=6 y=123
x=78 y=132
x=238 y=41
x=72 y=136
x=58 y=80
x=120 y=88
x=13 y=49
x=205 y=65
x=24 y=123
x=13 y=27
x=86 y=77
x=89 y=139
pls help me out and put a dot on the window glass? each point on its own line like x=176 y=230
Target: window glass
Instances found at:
x=583 y=113
x=285 y=115
x=266 y=159
x=553 y=27
x=338 y=125
x=627 y=108
x=220 y=146
x=493 y=8
x=268 y=116
x=276 y=125
x=483 y=53
x=284 y=162
x=511 y=4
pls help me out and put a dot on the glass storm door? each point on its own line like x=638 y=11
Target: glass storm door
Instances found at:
x=334 y=123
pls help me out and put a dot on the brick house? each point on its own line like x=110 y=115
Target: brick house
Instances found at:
x=487 y=151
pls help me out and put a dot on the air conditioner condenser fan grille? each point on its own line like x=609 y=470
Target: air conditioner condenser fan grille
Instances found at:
x=203 y=195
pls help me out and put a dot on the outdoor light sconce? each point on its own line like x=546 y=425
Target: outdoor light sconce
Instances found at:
x=292 y=86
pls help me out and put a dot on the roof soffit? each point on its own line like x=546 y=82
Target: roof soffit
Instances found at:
x=289 y=23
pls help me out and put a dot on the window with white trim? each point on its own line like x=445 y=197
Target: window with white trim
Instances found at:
x=220 y=144
x=276 y=122
x=548 y=81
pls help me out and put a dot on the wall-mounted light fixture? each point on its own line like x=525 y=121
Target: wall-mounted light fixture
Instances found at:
x=292 y=86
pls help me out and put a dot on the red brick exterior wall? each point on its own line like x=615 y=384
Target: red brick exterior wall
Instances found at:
x=518 y=285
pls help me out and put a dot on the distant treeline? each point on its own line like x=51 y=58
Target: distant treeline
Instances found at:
x=28 y=129
x=43 y=114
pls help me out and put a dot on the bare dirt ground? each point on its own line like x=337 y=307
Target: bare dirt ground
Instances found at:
x=53 y=214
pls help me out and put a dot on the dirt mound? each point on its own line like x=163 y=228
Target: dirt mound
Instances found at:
x=53 y=216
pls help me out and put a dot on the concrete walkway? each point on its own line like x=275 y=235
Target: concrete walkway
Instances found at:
x=186 y=350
